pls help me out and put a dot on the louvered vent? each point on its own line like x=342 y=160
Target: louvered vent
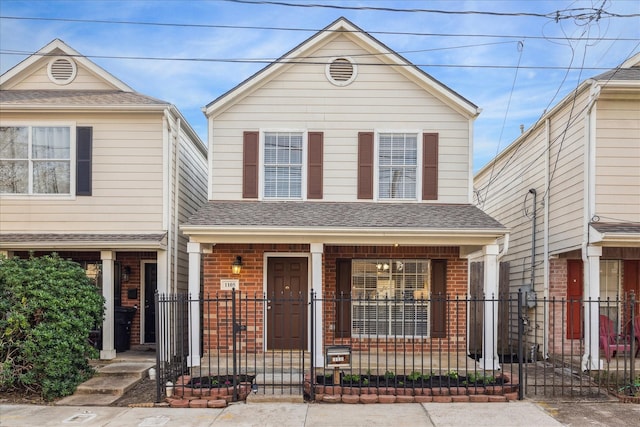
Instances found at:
x=341 y=71
x=62 y=70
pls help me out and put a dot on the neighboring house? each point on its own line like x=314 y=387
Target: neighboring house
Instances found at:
x=573 y=181
x=336 y=162
x=102 y=175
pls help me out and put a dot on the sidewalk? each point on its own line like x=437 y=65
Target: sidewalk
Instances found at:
x=512 y=414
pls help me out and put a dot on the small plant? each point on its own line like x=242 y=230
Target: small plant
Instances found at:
x=415 y=376
x=389 y=375
x=453 y=374
x=365 y=381
x=351 y=378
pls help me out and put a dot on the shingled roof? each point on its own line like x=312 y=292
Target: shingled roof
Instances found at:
x=85 y=98
x=336 y=215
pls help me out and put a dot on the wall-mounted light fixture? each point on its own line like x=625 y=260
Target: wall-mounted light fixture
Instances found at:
x=126 y=272
x=382 y=267
x=236 y=267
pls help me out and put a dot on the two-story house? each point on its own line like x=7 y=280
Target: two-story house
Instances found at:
x=569 y=190
x=344 y=169
x=102 y=175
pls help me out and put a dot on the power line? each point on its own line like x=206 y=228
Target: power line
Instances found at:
x=310 y=61
x=575 y=13
x=309 y=30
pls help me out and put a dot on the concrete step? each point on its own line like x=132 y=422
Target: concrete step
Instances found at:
x=129 y=369
x=88 y=400
x=275 y=398
x=114 y=385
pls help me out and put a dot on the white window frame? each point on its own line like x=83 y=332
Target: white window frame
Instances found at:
x=72 y=160
x=608 y=302
x=303 y=181
x=420 y=298
x=376 y=173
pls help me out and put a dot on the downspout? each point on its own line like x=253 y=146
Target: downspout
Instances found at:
x=505 y=247
x=545 y=250
x=591 y=359
x=533 y=239
x=169 y=229
x=176 y=202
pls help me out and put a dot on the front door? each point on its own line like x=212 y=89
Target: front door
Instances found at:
x=286 y=303
x=150 y=286
x=574 y=299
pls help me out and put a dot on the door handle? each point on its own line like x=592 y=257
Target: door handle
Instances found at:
x=268 y=307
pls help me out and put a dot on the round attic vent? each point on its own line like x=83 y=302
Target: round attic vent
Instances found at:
x=61 y=70
x=341 y=71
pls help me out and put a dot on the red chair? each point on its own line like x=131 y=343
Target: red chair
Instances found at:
x=611 y=342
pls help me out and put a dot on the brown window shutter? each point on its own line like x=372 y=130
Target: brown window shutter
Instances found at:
x=365 y=165
x=250 y=156
x=84 y=149
x=343 y=298
x=430 y=166
x=314 y=160
x=438 y=298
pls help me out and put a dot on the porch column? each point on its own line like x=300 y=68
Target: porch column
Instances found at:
x=108 y=351
x=591 y=358
x=489 y=360
x=163 y=280
x=195 y=256
x=317 y=249
x=6 y=254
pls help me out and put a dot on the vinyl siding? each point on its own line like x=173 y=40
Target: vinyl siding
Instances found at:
x=127 y=180
x=380 y=99
x=39 y=80
x=618 y=160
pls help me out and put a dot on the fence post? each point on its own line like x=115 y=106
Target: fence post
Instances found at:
x=312 y=347
x=159 y=347
x=233 y=344
x=520 y=347
x=632 y=333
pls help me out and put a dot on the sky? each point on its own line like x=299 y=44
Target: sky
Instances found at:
x=513 y=59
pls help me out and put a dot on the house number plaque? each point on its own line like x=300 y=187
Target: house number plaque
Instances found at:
x=228 y=284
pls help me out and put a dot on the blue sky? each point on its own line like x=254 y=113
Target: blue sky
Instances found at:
x=512 y=66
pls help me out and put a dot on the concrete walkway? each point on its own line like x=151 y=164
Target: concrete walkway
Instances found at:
x=512 y=414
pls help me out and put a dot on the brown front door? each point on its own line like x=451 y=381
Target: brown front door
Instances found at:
x=574 y=298
x=286 y=303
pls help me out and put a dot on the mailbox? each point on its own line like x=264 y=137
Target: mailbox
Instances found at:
x=339 y=357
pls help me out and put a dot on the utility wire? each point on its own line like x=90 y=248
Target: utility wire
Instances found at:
x=309 y=30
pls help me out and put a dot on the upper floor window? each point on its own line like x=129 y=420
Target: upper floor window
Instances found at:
x=35 y=160
x=283 y=165
x=397 y=165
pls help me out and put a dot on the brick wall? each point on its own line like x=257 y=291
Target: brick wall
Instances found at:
x=217 y=327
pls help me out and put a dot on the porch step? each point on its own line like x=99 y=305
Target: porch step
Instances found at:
x=110 y=383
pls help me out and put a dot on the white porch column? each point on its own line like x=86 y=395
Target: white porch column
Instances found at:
x=591 y=358
x=194 y=250
x=317 y=249
x=162 y=278
x=489 y=360
x=108 y=351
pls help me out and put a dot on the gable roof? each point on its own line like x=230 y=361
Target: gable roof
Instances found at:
x=343 y=26
x=56 y=48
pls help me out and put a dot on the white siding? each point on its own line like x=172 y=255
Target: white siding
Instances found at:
x=380 y=98
x=39 y=80
x=127 y=180
x=618 y=160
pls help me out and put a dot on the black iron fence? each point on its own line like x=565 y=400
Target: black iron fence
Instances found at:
x=272 y=344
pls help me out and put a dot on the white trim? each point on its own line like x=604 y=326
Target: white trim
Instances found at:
x=265 y=259
x=376 y=163
x=327 y=71
x=30 y=124
x=261 y=163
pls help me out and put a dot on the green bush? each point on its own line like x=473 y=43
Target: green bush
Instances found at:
x=48 y=306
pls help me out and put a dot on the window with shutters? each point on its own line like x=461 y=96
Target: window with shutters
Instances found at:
x=36 y=160
x=283 y=164
x=397 y=165
x=390 y=297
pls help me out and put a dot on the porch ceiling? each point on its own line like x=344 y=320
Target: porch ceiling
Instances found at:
x=342 y=223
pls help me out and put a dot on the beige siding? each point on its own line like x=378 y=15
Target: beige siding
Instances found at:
x=39 y=80
x=127 y=180
x=618 y=160
x=380 y=99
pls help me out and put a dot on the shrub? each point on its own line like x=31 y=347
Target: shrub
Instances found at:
x=48 y=306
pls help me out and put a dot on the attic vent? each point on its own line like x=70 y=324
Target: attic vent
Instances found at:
x=62 y=70
x=341 y=71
